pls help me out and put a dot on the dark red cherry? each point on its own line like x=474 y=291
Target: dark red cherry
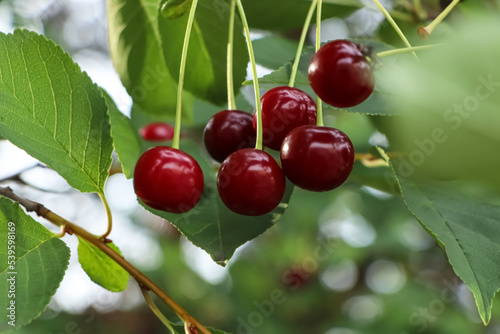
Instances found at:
x=341 y=75
x=317 y=158
x=168 y=179
x=250 y=182
x=157 y=131
x=296 y=277
x=283 y=109
x=228 y=131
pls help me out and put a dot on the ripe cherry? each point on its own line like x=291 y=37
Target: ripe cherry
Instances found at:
x=250 y=182
x=228 y=131
x=283 y=109
x=296 y=277
x=341 y=75
x=168 y=179
x=317 y=158
x=157 y=131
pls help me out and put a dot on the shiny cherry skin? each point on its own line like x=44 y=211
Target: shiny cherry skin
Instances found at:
x=168 y=179
x=250 y=182
x=341 y=75
x=228 y=131
x=283 y=109
x=317 y=158
x=157 y=131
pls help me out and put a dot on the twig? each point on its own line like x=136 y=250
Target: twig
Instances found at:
x=155 y=309
x=17 y=178
x=71 y=228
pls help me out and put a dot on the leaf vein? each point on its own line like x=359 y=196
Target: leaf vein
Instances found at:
x=28 y=252
x=431 y=204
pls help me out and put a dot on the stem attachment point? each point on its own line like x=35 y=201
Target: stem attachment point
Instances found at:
x=425 y=32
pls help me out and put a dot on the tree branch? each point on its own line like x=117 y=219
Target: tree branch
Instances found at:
x=155 y=309
x=17 y=178
x=71 y=228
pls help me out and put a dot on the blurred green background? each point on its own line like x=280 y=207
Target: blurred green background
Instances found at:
x=351 y=261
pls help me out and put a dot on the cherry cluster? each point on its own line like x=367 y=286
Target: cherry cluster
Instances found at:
x=250 y=181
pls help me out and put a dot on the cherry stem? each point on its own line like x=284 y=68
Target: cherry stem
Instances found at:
x=258 y=143
x=231 y=102
x=395 y=26
x=402 y=16
x=182 y=71
x=319 y=102
x=419 y=9
x=71 y=228
x=155 y=309
x=109 y=215
x=405 y=50
x=62 y=233
x=302 y=40
x=425 y=32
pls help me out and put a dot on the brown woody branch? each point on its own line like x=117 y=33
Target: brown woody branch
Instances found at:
x=71 y=228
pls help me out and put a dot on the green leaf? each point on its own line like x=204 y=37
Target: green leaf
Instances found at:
x=467 y=229
x=135 y=48
x=448 y=102
x=174 y=9
x=101 y=268
x=53 y=111
x=281 y=76
x=207 y=55
x=386 y=33
x=125 y=138
x=213 y=227
x=376 y=105
x=40 y=262
x=291 y=14
x=274 y=51
x=202 y=111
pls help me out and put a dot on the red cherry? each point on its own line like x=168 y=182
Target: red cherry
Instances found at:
x=296 y=277
x=157 y=131
x=250 y=182
x=341 y=75
x=228 y=131
x=168 y=179
x=283 y=109
x=317 y=158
